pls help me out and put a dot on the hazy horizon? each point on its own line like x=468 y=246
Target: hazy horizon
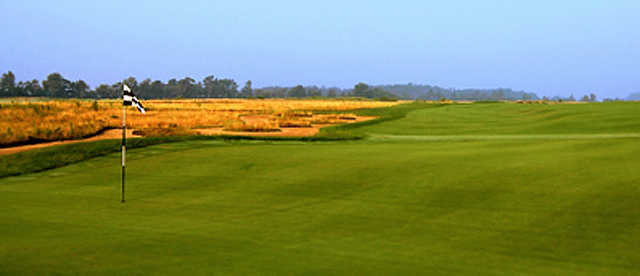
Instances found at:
x=545 y=47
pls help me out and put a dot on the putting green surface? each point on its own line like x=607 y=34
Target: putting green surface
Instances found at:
x=396 y=206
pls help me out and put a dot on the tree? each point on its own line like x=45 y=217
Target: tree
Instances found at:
x=29 y=88
x=497 y=95
x=56 y=86
x=107 y=91
x=332 y=93
x=571 y=98
x=247 y=91
x=8 y=84
x=314 y=91
x=172 y=88
x=220 y=88
x=430 y=95
x=592 y=97
x=79 y=89
x=116 y=90
x=228 y=87
x=144 y=89
x=209 y=84
x=187 y=88
x=585 y=98
x=131 y=82
x=360 y=90
x=157 y=90
x=280 y=93
x=297 y=92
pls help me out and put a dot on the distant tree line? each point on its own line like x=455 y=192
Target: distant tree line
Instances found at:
x=586 y=98
x=428 y=92
x=360 y=90
x=56 y=86
x=631 y=97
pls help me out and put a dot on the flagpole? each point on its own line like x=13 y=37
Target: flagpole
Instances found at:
x=124 y=145
x=128 y=98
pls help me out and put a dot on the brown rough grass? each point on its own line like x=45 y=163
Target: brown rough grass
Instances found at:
x=24 y=121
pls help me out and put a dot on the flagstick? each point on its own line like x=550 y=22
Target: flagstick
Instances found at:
x=124 y=145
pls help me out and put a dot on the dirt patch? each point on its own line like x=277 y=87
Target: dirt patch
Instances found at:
x=117 y=134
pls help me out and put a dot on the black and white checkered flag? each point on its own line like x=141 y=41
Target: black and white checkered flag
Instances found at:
x=130 y=99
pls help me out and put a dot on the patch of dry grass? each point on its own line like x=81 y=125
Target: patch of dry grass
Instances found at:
x=23 y=121
x=162 y=132
x=333 y=118
x=55 y=120
x=253 y=125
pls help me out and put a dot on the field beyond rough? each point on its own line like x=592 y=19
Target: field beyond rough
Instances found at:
x=475 y=189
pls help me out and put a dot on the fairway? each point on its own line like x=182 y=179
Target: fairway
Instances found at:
x=477 y=189
x=517 y=119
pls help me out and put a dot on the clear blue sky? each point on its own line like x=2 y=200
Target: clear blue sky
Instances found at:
x=547 y=47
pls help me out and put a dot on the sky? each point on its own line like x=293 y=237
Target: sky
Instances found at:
x=547 y=47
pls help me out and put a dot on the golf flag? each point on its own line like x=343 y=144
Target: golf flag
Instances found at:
x=130 y=99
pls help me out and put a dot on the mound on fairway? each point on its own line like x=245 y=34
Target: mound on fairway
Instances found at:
x=412 y=206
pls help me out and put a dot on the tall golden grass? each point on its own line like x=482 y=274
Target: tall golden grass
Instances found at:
x=26 y=121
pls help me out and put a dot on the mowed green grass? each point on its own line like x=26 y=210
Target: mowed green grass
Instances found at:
x=401 y=206
x=520 y=119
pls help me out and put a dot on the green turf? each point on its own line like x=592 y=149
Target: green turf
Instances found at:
x=545 y=205
x=512 y=118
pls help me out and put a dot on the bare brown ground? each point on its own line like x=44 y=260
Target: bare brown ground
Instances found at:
x=117 y=134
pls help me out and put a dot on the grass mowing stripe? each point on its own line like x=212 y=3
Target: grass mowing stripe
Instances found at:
x=511 y=118
x=385 y=137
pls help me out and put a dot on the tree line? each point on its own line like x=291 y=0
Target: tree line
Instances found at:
x=586 y=98
x=429 y=92
x=56 y=86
